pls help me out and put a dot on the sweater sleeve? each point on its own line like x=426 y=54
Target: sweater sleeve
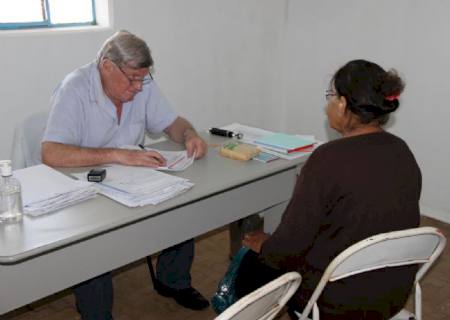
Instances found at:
x=301 y=221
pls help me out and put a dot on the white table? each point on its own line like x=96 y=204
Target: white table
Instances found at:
x=44 y=255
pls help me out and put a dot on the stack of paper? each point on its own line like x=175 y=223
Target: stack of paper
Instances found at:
x=45 y=190
x=252 y=135
x=284 y=143
x=139 y=186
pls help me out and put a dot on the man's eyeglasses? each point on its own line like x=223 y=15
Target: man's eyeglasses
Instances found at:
x=329 y=94
x=146 y=80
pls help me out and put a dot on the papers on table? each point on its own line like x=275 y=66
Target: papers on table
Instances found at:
x=45 y=190
x=251 y=135
x=139 y=186
x=175 y=160
x=285 y=143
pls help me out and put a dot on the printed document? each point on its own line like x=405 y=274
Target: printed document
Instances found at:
x=175 y=160
x=139 y=186
x=45 y=190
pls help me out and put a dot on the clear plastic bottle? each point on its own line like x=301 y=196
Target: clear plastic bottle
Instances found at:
x=10 y=194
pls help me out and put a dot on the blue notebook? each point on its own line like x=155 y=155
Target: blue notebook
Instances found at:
x=284 y=142
x=265 y=157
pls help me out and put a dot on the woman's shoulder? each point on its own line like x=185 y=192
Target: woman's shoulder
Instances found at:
x=330 y=148
x=356 y=142
x=344 y=149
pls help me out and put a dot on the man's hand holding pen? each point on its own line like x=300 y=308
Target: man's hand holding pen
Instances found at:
x=144 y=158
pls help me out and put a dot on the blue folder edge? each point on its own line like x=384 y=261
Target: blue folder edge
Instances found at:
x=284 y=141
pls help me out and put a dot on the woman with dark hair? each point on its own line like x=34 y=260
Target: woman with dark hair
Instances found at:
x=363 y=184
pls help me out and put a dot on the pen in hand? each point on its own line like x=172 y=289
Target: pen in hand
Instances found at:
x=158 y=157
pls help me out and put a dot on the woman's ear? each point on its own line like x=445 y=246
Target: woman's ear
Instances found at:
x=342 y=105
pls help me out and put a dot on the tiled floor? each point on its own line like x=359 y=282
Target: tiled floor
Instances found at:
x=135 y=299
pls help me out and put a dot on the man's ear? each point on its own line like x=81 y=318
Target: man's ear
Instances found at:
x=106 y=65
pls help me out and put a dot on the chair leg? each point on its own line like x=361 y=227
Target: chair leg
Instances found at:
x=418 y=302
x=315 y=312
x=151 y=270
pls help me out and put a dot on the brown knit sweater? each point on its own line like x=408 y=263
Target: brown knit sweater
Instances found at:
x=348 y=190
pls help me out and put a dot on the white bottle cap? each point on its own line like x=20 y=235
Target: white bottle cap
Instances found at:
x=5 y=168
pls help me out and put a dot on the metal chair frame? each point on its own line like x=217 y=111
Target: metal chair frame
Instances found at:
x=266 y=302
x=398 y=248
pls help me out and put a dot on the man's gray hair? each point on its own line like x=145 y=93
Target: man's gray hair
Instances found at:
x=124 y=48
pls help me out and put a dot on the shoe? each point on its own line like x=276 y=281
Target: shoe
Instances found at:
x=191 y=299
x=188 y=298
x=163 y=290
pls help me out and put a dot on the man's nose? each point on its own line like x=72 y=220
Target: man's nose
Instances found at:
x=137 y=85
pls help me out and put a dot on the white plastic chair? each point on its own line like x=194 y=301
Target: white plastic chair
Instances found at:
x=26 y=148
x=265 y=302
x=392 y=249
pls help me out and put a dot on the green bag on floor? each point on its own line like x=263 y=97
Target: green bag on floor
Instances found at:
x=225 y=294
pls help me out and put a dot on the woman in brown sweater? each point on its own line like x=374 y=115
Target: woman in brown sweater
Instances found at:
x=365 y=183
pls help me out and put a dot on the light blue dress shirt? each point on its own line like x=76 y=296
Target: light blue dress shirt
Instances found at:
x=82 y=115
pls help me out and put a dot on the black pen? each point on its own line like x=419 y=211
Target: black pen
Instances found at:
x=143 y=148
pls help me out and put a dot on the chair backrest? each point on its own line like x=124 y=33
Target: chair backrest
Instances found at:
x=26 y=148
x=265 y=302
x=397 y=248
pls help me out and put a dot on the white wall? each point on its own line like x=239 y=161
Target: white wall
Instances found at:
x=261 y=62
x=214 y=60
x=31 y=66
x=409 y=35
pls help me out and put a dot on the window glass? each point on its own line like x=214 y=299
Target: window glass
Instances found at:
x=17 y=14
x=70 y=11
x=17 y=11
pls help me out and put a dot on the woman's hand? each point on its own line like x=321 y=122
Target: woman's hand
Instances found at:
x=255 y=239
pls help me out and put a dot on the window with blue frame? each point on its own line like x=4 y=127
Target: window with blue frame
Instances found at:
x=23 y=14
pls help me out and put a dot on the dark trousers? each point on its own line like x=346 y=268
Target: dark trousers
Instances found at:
x=94 y=297
x=253 y=274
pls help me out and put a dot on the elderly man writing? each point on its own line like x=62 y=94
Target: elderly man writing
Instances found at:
x=96 y=109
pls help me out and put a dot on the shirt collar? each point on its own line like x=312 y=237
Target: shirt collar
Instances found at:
x=96 y=89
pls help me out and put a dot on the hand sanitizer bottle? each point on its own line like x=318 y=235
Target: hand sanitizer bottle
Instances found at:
x=10 y=194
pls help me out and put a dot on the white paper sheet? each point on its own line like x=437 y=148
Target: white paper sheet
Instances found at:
x=45 y=189
x=250 y=134
x=175 y=160
x=139 y=186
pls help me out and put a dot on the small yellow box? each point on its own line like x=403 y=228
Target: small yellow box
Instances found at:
x=238 y=151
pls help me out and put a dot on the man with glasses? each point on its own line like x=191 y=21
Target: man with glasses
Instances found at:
x=99 y=107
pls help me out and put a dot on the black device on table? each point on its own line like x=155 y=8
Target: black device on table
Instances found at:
x=96 y=175
x=225 y=133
